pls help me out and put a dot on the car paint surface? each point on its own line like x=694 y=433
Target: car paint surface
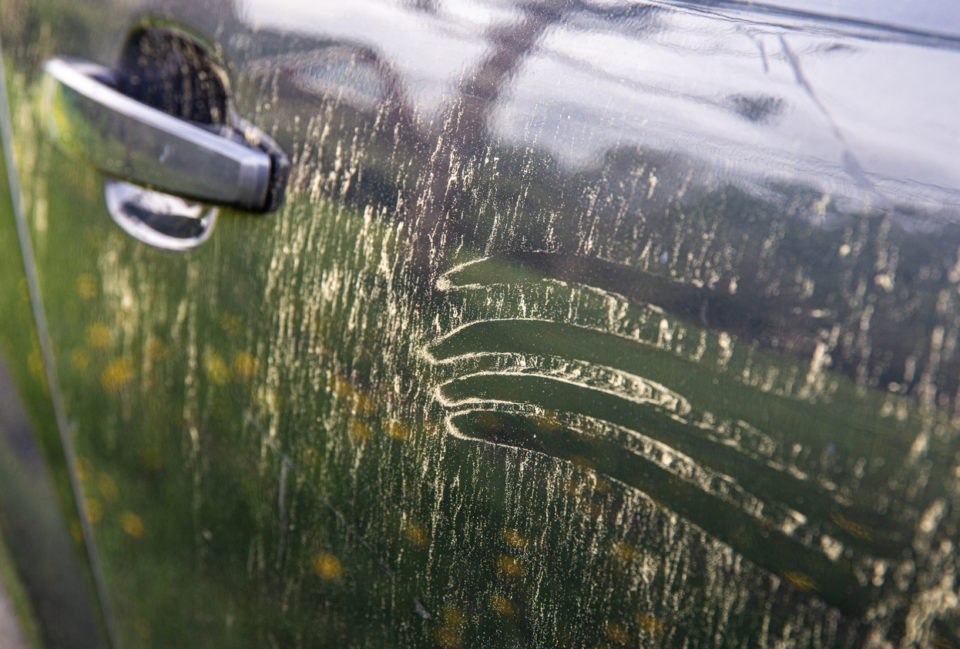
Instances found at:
x=582 y=324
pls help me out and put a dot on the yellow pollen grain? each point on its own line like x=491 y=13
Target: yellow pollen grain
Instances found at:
x=509 y=566
x=616 y=633
x=362 y=403
x=87 y=287
x=416 y=534
x=342 y=387
x=358 y=430
x=649 y=623
x=856 y=529
x=98 y=335
x=215 y=368
x=800 y=580
x=502 y=605
x=453 y=616
x=327 y=566
x=514 y=538
x=35 y=363
x=398 y=431
x=447 y=637
x=245 y=364
x=93 y=510
x=623 y=551
x=116 y=374
x=131 y=524
x=82 y=467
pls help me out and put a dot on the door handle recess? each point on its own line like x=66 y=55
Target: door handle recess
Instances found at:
x=125 y=138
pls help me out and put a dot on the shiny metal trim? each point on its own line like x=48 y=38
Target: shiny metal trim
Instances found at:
x=167 y=216
x=127 y=139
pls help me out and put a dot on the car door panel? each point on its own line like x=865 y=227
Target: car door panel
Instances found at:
x=579 y=325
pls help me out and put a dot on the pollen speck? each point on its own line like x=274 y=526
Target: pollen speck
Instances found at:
x=800 y=580
x=514 y=538
x=502 y=605
x=131 y=524
x=327 y=566
x=509 y=566
x=117 y=374
x=398 y=431
x=93 y=509
x=98 y=335
x=87 y=286
x=215 y=368
x=416 y=534
x=245 y=364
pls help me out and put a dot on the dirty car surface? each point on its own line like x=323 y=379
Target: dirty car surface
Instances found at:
x=581 y=324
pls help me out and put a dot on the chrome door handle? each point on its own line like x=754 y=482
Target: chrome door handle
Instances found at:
x=122 y=137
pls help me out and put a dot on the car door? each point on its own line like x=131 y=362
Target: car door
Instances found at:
x=579 y=324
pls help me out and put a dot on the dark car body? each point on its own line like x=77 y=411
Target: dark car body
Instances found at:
x=580 y=324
